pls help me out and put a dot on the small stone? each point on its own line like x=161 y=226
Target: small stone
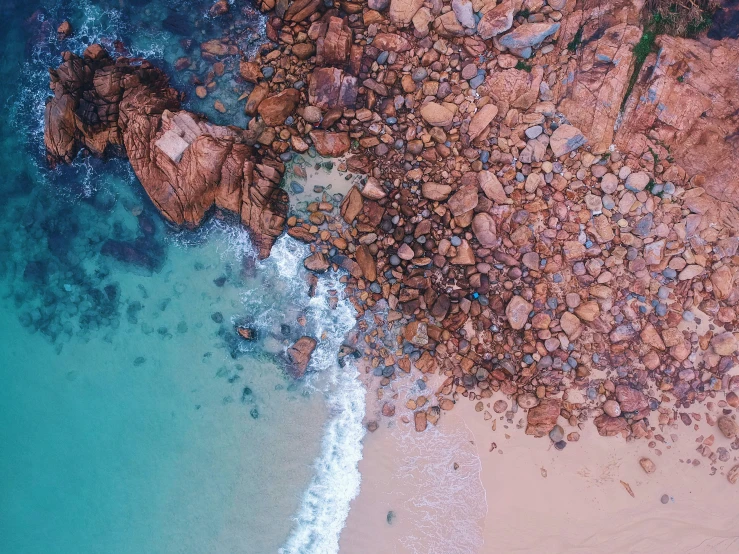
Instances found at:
x=612 y=408
x=565 y=139
x=647 y=465
x=517 y=312
x=733 y=474
x=533 y=132
x=527 y=400
x=728 y=426
x=557 y=433
x=724 y=344
x=500 y=406
x=405 y=252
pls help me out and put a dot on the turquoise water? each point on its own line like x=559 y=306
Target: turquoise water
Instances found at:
x=132 y=417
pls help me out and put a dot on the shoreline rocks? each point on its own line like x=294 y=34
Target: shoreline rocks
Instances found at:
x=186 y=165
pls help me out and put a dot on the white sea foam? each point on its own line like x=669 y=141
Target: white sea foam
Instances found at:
x=326 y=502
x=446 y=505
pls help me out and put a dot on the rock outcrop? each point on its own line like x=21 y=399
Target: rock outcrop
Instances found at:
x=603 y=37
x=684 y=107
x=186 y=164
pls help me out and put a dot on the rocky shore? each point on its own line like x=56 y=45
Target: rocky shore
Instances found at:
x=539 y=214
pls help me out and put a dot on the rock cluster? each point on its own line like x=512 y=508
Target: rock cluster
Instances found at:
x=496 y=237
x=511 y=251
x=186 y=164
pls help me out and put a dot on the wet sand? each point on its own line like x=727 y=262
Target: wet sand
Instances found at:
x=538 y=499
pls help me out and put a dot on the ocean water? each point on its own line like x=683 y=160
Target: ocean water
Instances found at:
x=132 y=417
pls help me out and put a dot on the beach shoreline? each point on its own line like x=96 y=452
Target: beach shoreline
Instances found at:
x=539 y=499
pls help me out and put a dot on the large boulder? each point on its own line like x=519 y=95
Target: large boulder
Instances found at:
x=186 y=164
x=565 y=139
x=542 y=418
x=483 y=225
x=332 y=88
x=334 y=47
x=330 y=145
x=402 y=11
x=277 y=108
x=299 y=355
x=528 y=35
x=437 y=115
x=517 y=312
x=391 y=42
x=496 y=21
x=482 y=118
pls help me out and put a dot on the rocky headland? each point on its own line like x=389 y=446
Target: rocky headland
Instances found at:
x=548 y=207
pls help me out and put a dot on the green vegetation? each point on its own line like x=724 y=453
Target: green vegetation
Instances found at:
x=525 y=13
x=685 y=18
x=576 y=41
x=523 y=65
x=642 y=49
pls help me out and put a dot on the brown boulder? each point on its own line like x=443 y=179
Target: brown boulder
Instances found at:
x=352 y=205
x=64 y=30
x=517 y=312
x=610 y=426
x=317 y=262
x=496 y=21
x=435 y=191
x=402 y=11
x=334 y=47
x=419 y=420
x=437 y=115
x=277 y=108
x=491 y=187
x=728 y=427
x=542 y=418
x=331 y=88
x=631 y=400
x=330 y=145
x=255 y=98
x=464 y=200
x=483 y=225
x=249 y=71
x=366 y=262
x=373 y=189
x=482 y=119
x=565 y=139
x=391 y=42
x=299 y=355
x=301 y=10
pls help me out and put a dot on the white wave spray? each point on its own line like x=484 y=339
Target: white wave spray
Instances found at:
x=329 y=317
x=326 y=502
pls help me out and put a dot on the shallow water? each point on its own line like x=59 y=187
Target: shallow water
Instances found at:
x=132 y=417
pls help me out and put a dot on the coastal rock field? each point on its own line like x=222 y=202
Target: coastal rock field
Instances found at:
x=546 y=207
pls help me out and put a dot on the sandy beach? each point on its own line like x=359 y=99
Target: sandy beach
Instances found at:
x=538 y=499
